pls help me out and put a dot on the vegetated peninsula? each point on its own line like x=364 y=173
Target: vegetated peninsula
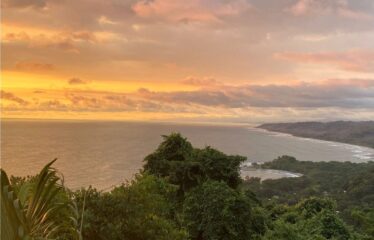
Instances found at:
x=358 y=133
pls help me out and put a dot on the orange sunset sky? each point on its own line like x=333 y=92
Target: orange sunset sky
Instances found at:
x=196 y=60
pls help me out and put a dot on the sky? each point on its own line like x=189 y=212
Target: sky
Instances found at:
x=196 y=60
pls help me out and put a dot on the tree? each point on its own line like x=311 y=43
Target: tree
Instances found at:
x=364 y=219
x=140 y=210
x=181 y=164
x=311 y=206
x=213 y=210
x=313 y=218
x=219 y=166
x=174 y=148
x=328 y=225
x=283 y=231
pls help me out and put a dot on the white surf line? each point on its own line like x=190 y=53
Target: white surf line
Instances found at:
x=357 y=151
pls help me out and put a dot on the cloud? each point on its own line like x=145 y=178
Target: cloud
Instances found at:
x=70 y=41
x=330 y=99
x=85 y=101
x=201 y=82
x=77 y=81
x=190 y=11
x=30 y=66
x=352 y=93
x=207 y=98
x=333 y=93
x=52 y=105
x=116 y=102
x=123 y=43
x=146 y=34
x=11 y=97
x=16 y=37
x=38 y=91
x=39 y=4
x=321 y=7
x=103 y=20
x=60 y=41
x=82 y=36
x=354 y=60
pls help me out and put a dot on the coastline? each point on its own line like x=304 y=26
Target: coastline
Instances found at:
x=351 y=146
x=279 y=133
x=272 y=127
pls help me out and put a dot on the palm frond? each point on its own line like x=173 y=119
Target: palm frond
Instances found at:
x=41 y=209
x=13 y=221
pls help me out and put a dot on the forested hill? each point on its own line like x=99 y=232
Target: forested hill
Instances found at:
x=358 y=133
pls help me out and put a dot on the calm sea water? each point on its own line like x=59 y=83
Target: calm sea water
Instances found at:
x=103 y=154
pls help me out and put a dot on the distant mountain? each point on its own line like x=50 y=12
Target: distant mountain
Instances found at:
x=358 y=133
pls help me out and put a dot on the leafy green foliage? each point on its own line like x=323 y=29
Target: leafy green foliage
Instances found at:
x=219 y=166
x=136 y=211
x=173 y=149
x=313 y=218
x=40 y=209
x=363 y=219
x=350 y=184
x=312 y=206
x=187 y=167
x=216 y=211
x=13 y=220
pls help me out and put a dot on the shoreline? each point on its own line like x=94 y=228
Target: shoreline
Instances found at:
x=247 y=173
x=293 y=129
x=363 y=153
x=330 y=142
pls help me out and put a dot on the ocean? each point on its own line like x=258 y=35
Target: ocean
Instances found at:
x=103 y=154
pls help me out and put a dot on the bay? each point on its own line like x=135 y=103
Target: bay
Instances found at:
x=104 y=154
